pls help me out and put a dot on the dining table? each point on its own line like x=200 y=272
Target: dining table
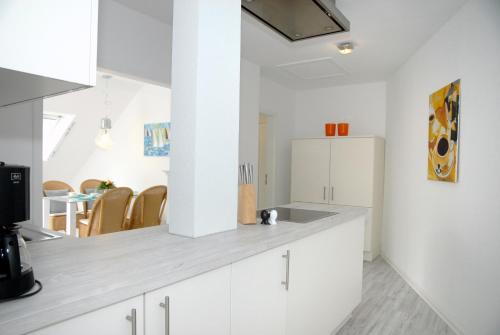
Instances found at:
x=71 y=202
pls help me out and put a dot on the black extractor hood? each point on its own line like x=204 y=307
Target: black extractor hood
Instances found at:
x=298 y=19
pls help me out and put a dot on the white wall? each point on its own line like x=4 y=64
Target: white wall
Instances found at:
x=21 y=143
x=133 y=104
x=363 y=106
x=134 y=44
x=279 y=102
x=249 y=114
x=445 y=238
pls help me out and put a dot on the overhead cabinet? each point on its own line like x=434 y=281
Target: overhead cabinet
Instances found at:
x=342 y=171
x=48 y=47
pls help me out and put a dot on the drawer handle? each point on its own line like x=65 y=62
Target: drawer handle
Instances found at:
x=286 y=283
x=166 y=305
x=324 y=192
x=133 y=318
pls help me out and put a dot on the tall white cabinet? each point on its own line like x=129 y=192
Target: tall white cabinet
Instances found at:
x=344 y=171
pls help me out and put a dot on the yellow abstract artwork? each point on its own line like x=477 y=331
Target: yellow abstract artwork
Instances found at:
x=444 y=115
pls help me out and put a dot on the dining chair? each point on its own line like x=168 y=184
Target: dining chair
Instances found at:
x=108 y=214
x=148 y=208
x=57 y=217
x=86 y=187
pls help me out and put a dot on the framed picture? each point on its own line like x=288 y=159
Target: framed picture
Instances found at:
x=157 y=139
x=444 y=116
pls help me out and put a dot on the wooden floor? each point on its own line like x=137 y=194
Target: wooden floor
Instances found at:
x=391 y=307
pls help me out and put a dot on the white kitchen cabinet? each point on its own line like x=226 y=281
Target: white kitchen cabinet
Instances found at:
x=48 y=47
x=325 y=279
x=351 y=171
x=310 y=170
x=355 y=168
x=50 y=38
x=113 y=320
x=200 y=305
x=258 y=294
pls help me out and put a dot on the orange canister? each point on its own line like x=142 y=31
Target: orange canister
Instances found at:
x=330 y=129
x=343 y=129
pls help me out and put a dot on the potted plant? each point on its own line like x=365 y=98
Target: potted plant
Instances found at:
x=105 y=185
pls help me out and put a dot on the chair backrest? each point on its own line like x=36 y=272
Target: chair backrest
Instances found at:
x=89 y=183
x=55 y=185
x=84 y=186
x=110 y=211
x=148 y=207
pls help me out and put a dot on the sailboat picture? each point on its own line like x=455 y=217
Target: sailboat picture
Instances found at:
x=156 y=139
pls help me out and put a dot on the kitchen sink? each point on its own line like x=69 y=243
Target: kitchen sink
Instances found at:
x=31 y=233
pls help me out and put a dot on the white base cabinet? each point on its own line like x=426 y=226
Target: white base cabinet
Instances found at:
x=113 y=320
x=200 y=305
x=306 y=287
x=258 y=294
x=326 y=273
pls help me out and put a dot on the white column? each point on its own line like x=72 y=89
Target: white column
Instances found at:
x=205 y=117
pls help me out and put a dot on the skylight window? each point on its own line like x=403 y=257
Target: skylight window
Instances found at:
x=55 y=127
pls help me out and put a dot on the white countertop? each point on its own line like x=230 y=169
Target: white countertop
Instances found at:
x=83 y=275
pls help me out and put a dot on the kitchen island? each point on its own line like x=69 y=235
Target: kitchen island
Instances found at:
x=125 y=271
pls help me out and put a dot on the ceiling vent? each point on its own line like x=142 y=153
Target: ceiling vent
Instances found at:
x=298 y=20
x=314 y=69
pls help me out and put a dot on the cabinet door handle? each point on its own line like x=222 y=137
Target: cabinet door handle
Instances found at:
x=133 y=318
x=286 y=283
x=324 y=193
x=166 y=305
x=332 y=192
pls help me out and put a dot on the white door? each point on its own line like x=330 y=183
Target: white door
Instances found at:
x=325 y=279
x=200 y=305
x=265 y=197
x=258 y=295
x=310 y=170
x=352 y=171
x=113 y=320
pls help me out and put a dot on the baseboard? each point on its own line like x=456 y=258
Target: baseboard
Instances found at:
x=342 y=324
x=420 y=292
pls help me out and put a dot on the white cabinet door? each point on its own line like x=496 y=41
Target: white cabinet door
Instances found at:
x=352 y=171
x=310 y=173
x=50 y=38
x=325 y=279
x=111 y=320
x=258 y=296
x=200 y=305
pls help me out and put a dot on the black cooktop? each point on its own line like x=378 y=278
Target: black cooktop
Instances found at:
x=299 y=215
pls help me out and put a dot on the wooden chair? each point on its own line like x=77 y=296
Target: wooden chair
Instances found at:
x=57 y=221
x=148 y=208
x=108 y=214
x=84 y=186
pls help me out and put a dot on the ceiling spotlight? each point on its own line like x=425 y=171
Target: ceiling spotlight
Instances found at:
x=345 y=48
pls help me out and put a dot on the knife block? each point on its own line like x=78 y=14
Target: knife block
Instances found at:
x=247 y=208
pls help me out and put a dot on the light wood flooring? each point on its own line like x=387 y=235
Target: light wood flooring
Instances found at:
x=391 y=307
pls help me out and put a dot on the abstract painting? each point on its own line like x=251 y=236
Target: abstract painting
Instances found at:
x=156 y=139
x=444 y=116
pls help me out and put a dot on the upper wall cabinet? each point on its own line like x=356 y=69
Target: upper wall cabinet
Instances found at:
x=48 y=47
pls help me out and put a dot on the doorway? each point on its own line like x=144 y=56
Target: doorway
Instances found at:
x=265 y=197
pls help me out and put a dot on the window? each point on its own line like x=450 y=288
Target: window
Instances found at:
x=55 y=127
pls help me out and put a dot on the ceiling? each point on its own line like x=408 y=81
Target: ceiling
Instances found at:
x=385 y=34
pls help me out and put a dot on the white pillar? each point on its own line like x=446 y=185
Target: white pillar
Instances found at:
x=203 y=174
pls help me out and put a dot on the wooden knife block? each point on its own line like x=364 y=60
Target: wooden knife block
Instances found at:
x=247 y=208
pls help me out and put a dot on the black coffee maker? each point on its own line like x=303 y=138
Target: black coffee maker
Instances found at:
x=16 y=273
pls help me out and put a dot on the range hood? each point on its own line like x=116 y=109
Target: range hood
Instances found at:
x=298 y=19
